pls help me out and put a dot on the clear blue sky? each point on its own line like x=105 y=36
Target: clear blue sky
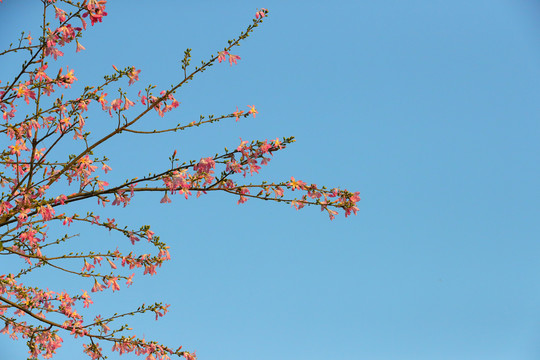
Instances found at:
x=429 y=108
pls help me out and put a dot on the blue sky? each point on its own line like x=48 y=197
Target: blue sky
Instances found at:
x=428 y=108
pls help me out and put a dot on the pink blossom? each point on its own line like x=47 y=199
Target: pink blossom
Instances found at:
x=97 y=287
x=261 y=13
x=116 y=104
x=101 y=184
x=278 y=191
x=233 y=58
x=161 y=311
x=143 y=98
x=149 y=269
x=113 y=282
x=297 y=184
x=79 y=46
x=128 y=103
x=205 y=165
x=164 y=254
x=5 y=206
x=242 y=145
x=133 y=238
x=19 y=145
x=22 y=90
x=222 y=55
x=165 y=199
x=53 y=51
x=87 y=266
x=331 y=213
x=40 y=73
x=96 y=11
x=94 y=351
x=237 y=113
x=87 y=299
x=111 y=263
x=252 y=110
x=67 y=79
x=243 y=199
x=129 y=280
x=102 y=100
x=123 y=347
x=133 y=76
x=60 y=14
x=46 y=212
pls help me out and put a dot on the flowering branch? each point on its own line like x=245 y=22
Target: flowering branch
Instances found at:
x=41 y=188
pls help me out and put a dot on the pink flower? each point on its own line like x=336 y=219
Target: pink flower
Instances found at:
x=129 y=280
x=261 y=13
x=51 y=50
x=97 y=287
x=83 y=105
x=233 y=58
x=69 y=78
x=252 y=110
x=348 y=210
x=60 y=14
x=164 y=310
x=237 y=113
x=24 y=91
x=116 y=103
x=40 y=73
x=277 y=144
x=242 y=145
x=243 y=199
x=165 y=199
x=149 y=269
x=5 y=206
x=133 y=76
x=111 y=263
x=205 y=165
x=19 y=145
x=96 y=11
x=278 y=191
x=46 y=212
x=87 y=266
x=113 y=283
x=87 y=300
x=102 y=100
x=94 y=351
x=79 y=46
x=123 y=347
x=297 y=184
x=133 y=238
x=222 y=55
x=164 y=254
x=128 y=103
x=331 y=213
